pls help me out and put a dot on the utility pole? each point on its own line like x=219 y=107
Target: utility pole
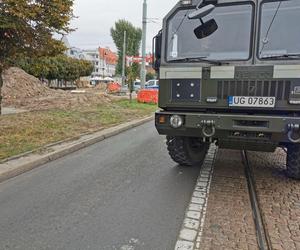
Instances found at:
x=144 y=39
x=124 y=61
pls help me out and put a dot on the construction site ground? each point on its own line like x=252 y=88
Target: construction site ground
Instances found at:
x=22 y=91
x=35 y=115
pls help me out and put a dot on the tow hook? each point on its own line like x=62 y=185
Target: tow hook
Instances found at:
x=208 y=129
x=292 y=130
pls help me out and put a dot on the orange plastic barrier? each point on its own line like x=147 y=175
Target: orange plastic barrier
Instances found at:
x=148 y=96
x=113 y=87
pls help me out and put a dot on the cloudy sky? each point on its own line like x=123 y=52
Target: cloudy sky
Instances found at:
x=96 y=17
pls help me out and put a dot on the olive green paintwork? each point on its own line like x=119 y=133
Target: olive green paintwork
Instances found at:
x=264 y=128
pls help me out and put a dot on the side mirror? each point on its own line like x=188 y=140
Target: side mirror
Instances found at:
x=206 y=29
x=201 y=12
x=156 y=50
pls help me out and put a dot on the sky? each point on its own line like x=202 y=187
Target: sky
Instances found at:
x=96 y=17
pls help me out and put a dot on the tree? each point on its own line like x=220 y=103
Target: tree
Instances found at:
x=133 y=72
x=133 y=41
x=60 y=67
x=150 y=76
x=27 y=27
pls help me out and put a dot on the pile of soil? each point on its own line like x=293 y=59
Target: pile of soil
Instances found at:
x=83 y=84
x=101 y=86
x=18 y=85
x=21 y=90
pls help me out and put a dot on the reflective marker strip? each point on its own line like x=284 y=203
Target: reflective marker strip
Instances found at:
x=181 y=73
x=286 y=71
x=222 y=72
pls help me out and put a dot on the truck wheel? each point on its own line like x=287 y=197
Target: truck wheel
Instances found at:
x=293 y=161
x=187 y=151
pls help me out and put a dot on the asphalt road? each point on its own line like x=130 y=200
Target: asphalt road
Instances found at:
x=122 y=193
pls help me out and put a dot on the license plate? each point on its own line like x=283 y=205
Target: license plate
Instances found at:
x=251 y=101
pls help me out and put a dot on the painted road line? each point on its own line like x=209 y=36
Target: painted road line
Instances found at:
x=192 y=229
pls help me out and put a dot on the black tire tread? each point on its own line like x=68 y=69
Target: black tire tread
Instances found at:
x=293 y=161
x=178 y=151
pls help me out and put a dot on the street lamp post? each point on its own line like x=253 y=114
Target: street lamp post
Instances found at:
x=104 y=63
x=144 y=37
x=124 y=60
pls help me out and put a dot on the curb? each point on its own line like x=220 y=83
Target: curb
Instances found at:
x=27 y=162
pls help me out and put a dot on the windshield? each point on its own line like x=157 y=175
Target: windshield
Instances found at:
x=280 y=29
x=231 y=41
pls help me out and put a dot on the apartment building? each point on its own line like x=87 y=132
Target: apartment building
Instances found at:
x=103 y=59
x=108 y=61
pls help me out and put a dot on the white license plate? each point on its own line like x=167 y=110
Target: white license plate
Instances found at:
x=251 y=101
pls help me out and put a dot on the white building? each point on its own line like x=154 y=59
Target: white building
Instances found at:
x=103 y=59
x=93 y=56
x=109 y=61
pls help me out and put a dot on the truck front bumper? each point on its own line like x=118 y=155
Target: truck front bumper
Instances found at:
x=228 y=128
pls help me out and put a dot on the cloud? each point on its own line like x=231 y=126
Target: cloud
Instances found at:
x=96 y=17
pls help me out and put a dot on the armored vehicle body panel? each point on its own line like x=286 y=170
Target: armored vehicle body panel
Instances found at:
x=229 y=73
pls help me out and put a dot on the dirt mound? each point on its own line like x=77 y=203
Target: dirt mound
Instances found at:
x=101 y=86
x=83 y=84
x=22 y=90
x=19 y=85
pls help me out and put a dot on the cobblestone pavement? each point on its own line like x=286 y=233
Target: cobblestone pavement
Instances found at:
x=229 y=222
x=279 y=199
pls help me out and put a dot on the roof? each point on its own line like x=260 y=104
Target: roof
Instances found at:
x=109 y=56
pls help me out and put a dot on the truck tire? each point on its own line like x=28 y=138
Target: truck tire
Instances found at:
x=187 y=151
x=293 y=161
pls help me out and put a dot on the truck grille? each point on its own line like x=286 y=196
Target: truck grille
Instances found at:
x=278 y=89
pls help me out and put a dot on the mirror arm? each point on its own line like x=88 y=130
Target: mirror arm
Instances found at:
x=199 y=4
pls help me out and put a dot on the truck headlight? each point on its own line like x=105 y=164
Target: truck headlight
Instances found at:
x=176 y=121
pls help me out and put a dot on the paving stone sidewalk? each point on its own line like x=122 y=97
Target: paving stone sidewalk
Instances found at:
x=229 y=222
x=279 y=199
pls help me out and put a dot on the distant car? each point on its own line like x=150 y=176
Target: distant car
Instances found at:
x=136 y=86
x=152 y=84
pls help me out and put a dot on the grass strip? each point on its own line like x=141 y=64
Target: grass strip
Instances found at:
x=20 y=133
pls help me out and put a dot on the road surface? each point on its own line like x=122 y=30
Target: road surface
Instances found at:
x=122 y=193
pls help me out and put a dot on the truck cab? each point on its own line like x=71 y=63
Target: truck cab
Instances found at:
x=229 y=74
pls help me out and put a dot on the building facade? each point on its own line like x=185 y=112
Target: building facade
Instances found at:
x=93 y=57
x=103 y=59
x=109 y=60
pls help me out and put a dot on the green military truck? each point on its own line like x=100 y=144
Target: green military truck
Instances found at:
x=229 y=74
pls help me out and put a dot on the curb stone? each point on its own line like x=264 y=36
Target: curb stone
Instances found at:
x=23 y=164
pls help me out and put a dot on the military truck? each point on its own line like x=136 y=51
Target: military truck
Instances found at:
x=229 y=74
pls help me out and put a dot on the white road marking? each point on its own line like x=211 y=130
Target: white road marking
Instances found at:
x=131 y=246
x=193 y=225
x=127 y=247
